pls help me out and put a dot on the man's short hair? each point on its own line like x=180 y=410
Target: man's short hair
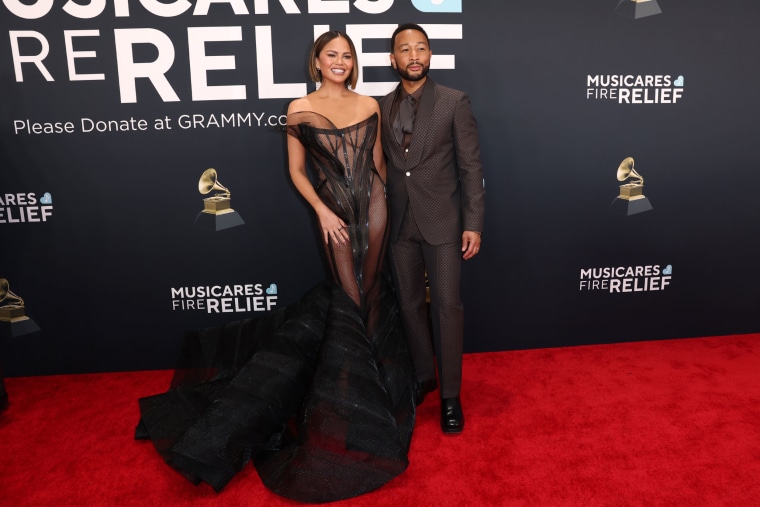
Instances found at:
x=408 y=26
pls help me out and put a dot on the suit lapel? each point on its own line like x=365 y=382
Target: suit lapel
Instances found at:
x=389 y=139
x=421 y=123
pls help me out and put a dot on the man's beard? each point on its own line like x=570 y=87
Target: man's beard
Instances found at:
x=409 y=77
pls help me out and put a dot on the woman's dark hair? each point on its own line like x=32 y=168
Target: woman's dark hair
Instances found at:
x=317 y=48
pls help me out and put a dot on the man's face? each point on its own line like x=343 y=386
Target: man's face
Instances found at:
x=411 y=55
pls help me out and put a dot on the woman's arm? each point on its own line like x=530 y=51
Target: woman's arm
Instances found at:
x=332 y=226
x=377 y=152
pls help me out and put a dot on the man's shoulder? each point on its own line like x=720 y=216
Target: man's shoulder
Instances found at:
x=389 y=96
x=448 y=92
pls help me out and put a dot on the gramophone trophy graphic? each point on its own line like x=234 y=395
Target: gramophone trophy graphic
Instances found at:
x=631 y=199
x=217 y=213
x=13 y=313
x=637 y=8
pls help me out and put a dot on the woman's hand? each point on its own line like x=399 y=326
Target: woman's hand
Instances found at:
x=332 y=227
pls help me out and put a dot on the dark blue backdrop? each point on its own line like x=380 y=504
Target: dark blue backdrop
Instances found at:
x=104 y=273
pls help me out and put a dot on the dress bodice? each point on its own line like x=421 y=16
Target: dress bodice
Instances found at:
x=348 y=184
x=336 y=153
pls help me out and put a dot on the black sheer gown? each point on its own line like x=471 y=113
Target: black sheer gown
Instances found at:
x=318 y=394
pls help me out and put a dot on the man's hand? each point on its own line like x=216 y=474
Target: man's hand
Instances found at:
x=470 y=244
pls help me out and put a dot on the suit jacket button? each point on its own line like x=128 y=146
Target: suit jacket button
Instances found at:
x=408 y=173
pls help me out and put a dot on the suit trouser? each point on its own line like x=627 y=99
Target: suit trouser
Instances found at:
x=412 y=256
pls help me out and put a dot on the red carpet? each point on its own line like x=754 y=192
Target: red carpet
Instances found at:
x=670 y=423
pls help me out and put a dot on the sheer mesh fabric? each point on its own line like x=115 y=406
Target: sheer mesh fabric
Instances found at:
x=318 y=394
x=350 y=186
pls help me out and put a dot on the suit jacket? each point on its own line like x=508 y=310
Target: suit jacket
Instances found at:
x=442 y=175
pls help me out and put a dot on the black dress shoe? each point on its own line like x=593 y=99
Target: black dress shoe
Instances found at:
x=422 y=389
x=452 y=417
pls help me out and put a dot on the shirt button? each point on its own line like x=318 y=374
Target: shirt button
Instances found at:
x=408 y=173
x=406 y=150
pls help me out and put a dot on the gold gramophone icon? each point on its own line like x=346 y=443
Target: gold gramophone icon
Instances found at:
x=217 y=213
x=11 y=306
x=631 y=199
x=637 y=8
x=13 y=319
x=217 y=203
x=635 y=188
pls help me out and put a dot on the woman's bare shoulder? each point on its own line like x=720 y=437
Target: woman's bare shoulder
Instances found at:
x=368 y=104
x=300 y=104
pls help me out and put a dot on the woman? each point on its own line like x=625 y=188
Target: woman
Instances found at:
x=319 y=394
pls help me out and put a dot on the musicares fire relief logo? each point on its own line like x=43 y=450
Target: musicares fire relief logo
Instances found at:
x=123 y=30
x=242 y=298
x=626 y=278
x=25 y=207
x=635 y=89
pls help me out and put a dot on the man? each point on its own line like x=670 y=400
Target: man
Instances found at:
x=435 y=188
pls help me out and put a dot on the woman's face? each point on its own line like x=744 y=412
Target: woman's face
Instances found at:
x=335 y=61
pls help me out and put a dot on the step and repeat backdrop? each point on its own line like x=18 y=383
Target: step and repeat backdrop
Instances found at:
x=144 y=188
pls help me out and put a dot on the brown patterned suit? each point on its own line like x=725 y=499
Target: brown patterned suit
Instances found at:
x=435 y=192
